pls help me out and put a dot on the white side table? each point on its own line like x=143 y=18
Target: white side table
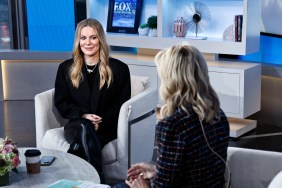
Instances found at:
x=65 y=166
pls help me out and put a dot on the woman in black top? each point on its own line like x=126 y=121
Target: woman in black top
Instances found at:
x=89 y=91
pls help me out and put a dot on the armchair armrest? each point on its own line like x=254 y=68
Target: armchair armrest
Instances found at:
x=136 y=127
x=46 y=115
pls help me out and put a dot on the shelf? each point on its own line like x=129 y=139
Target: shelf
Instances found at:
x=238 y=127
x=207 y=46
x=222 y=16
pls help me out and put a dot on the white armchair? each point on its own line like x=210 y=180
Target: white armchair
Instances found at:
x=136 y=129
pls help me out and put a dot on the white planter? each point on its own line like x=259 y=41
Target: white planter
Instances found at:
x=143 y=31
x=152 y=33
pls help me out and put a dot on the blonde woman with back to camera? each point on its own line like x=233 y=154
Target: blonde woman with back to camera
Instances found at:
x=192 y=136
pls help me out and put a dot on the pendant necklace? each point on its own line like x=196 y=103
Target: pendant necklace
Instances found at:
x=91 y=70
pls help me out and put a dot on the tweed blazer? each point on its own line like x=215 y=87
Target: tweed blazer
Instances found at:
x=184 y=157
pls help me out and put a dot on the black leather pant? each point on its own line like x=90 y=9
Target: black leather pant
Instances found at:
x=85 y=143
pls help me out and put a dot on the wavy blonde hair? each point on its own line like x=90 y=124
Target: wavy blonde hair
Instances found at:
x=185 y=82
x=105 y=71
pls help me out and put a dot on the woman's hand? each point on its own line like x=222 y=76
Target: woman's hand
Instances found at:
x=94 y=119
x=146 y=170
x=139 y=182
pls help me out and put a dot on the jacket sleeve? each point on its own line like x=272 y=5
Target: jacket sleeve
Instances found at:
x=62 y=97
x=171 y=149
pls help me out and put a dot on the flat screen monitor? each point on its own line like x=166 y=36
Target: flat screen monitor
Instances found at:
x=124 y=16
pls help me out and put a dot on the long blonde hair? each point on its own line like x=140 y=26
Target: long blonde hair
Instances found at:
x=105 y=71
x=185 y=82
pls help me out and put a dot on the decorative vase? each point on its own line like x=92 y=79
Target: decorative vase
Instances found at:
x=4 y=180
x=180 y=29
x=152 y=33
x=143 y=31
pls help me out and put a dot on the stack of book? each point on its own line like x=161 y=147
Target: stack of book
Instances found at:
x=238 y=20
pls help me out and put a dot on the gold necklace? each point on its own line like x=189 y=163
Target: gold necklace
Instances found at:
x=91 y=70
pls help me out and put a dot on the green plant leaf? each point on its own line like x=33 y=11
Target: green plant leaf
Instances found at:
x=144 y=25
x=152 y=22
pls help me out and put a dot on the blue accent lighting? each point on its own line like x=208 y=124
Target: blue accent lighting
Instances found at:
x=269 y=53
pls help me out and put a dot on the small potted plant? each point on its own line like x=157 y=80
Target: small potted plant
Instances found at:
x=143 y=29
x=152 y=24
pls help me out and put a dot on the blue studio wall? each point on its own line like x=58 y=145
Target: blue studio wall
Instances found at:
x=51 y=24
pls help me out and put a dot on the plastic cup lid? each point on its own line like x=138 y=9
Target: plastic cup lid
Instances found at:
x=32 y=153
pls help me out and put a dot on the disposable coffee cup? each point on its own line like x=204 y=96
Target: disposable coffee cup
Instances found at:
x=32 y=157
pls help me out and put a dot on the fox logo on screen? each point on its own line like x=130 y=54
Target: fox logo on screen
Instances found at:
x=122 y=6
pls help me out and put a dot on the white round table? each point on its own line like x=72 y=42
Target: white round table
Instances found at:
x=65 y=166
